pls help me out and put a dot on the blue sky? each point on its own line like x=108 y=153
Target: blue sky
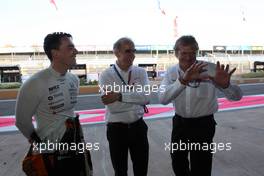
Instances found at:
x=101 y=22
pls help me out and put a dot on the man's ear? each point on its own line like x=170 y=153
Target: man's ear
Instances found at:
x=54 y=53
x=116 y=52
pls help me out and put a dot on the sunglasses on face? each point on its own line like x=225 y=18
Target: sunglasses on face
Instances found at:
x=130 y=50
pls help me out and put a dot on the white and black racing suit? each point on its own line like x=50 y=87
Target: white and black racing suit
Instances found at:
x=50 y=97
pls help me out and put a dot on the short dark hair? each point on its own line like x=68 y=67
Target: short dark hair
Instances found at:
x=186 y=40
x=117 y=45
x=53 y=41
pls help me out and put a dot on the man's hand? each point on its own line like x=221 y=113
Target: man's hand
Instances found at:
x=222 y=75
x=111 y=97
x=194 y=72
x=34 y=138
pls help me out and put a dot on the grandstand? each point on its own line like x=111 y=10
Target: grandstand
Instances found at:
x=98 y=58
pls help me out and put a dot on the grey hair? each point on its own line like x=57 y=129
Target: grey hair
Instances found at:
x=117 y=45
x=186 y=40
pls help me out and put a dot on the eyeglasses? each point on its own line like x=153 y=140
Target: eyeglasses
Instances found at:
x=130 y=50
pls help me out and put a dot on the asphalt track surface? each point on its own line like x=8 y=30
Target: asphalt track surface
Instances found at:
x=244 y=129
x=85 y=102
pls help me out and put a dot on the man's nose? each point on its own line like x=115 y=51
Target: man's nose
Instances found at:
x=75 y=51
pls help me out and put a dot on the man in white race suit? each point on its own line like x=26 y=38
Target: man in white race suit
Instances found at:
x=50 y=96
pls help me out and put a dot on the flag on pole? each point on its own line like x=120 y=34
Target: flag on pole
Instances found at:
x=54 y=3
x=174 y=20
x=175 y=27
x=243 y=14
x=161 y=10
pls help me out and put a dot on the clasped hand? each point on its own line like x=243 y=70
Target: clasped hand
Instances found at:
x=110 y=97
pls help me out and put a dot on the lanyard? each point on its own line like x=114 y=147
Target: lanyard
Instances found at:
x=121 y=78
x=124 y=83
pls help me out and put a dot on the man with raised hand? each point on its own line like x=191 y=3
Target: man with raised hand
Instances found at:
x=191 y=87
